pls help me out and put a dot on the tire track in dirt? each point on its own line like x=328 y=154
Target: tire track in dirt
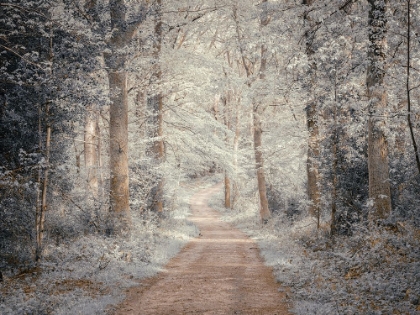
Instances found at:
x=219 y=272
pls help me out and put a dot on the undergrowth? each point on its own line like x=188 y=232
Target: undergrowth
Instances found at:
x=90 y=274
x=374 y=271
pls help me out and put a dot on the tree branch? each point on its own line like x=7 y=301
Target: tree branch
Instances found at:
x=24 y=9
x=20 y=56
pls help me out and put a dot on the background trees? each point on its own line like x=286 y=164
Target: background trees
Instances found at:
x=250 y=57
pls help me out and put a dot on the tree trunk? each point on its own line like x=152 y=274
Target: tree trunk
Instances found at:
x=401 y=130
x=262 y=190
x=335 y=140
x=122 y=33
x=100 y=163
x=91 y=151
x=235 y=150
x=408 y=88
x=43 y=207
x=226 y=103
x=160 y=153
x=256 y=129
x=118 y=148
x=227 y=192
x=312 y=165
x=379 y=185
x=157 y=100
x=39 y=193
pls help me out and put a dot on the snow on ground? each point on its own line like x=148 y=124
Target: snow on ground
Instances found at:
x=375 y=271
x=90 y=274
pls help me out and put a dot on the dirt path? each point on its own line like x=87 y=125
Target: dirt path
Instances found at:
x=220 y=272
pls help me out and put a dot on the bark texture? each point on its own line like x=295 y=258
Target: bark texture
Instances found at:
x=43 y=205
x=157 y=150
x=235 y=150
x=227 y=102
x=379 y=185
x=259 y=161
x=312 y=164
x=91 y=153
x=408 y=87
x=122 y=33
x=158 y=146
x=257 y=126
x=334 y=169
x=118 y=146
x=118 y=130
x=227 y=192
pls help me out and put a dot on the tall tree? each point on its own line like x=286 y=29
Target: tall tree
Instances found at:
x=235 y=151
x=91 y=152
x=91 y=133
x=156 y=102
x=41 y=208
x=379 y=184
x=43 y=205
x=312 y=165
x=226 y=103
x=115 y=60
x=408 y=87
x=258 y=110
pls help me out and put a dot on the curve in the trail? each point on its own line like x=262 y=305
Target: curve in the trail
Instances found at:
x=219 y=272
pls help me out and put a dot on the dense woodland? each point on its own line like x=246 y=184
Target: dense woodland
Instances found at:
x=308 y=110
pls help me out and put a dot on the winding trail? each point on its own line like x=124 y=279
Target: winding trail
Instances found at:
x=219 y=272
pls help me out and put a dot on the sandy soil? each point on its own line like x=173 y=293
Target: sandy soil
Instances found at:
x=220 y=272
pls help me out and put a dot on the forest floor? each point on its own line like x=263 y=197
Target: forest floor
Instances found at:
x=219 y=272
x=217 y=269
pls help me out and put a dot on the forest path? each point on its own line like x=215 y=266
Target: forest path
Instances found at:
x=219 y=272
